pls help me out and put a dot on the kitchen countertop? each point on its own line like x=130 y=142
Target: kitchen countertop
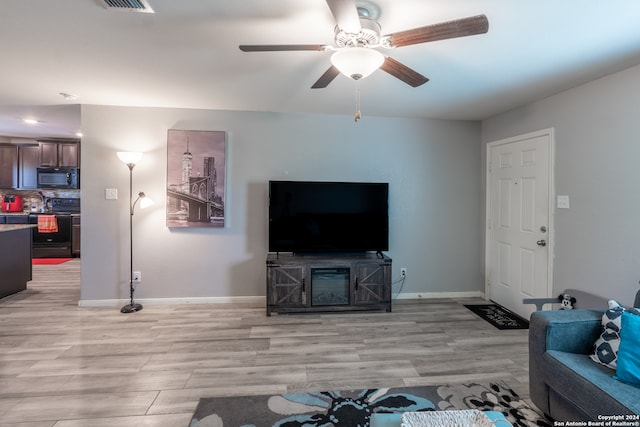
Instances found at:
x=13 y=227
x=37 y=213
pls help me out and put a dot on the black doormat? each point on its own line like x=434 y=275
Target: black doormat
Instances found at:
x=499 y=316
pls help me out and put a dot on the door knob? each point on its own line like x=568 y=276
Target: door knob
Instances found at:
x=542 y=242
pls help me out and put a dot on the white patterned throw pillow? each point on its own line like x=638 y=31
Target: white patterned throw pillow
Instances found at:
x=606 y=346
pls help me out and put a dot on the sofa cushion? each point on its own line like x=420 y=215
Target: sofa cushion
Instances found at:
x=628 y=369
x=590 y=386
x=607 y=345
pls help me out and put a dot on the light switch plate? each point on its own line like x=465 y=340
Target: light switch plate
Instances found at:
x=562 y=202
x=111 y=193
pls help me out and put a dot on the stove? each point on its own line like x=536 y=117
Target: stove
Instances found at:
x=65 y=205
x=55 y=242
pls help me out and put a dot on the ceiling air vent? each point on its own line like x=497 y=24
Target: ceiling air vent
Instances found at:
x=129 y=5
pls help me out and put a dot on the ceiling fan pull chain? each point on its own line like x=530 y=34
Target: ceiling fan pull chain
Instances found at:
x=358 y=114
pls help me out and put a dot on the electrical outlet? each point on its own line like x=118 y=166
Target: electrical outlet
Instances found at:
x=403 y=272
x=137 y=277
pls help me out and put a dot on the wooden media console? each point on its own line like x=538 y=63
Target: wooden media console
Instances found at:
x=335 y=282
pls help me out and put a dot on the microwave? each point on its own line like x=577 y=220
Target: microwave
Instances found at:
x=59 y=178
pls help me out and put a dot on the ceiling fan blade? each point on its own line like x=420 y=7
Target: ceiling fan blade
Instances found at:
x=281 y=47
x=346 y=15
x=402 y=72
x=445 y=30
x=326 y=78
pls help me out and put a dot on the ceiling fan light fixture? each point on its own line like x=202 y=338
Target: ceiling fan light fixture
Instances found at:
x=357 y=62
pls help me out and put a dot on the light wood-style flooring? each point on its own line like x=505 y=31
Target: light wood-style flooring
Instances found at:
x=65 y=366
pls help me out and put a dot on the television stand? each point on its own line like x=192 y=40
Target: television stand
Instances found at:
x=328 y=282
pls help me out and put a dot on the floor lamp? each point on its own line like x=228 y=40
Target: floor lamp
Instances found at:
x=130 y=158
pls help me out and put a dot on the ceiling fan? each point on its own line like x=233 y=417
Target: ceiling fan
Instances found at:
x=358 y=35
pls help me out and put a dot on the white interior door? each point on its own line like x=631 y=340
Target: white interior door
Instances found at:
x=519 y=221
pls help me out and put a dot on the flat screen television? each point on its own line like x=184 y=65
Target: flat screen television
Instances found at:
x=312 y=216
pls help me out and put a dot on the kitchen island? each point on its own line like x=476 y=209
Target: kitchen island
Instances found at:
x=15 y=257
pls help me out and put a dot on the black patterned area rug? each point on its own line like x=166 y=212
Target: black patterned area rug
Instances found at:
x=499 y=316
x=354 y=408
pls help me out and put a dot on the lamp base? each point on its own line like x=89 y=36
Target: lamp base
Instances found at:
x=131 y=308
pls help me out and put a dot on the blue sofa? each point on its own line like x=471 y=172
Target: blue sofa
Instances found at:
x=563 y=381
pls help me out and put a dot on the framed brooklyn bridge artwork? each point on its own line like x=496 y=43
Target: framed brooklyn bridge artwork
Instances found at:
x=196 y=178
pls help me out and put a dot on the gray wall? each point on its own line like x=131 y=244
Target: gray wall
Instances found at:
x=597 y=135
x=432 y=166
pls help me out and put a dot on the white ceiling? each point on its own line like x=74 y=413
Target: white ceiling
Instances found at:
x=186 y=55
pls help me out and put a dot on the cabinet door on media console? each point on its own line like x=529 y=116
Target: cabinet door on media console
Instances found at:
x=286 y=285
x=371 y=283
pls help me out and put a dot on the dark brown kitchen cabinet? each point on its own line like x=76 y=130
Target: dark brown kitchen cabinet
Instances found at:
x=75 y=235
x=8 y=166
x=29 y=160
x=15 y=260
x=17 y=219
x=69 y=154
x=59 y=154
x=48 y=154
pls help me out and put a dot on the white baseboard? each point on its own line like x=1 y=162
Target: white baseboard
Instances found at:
x=257 y=300
x=260 y=301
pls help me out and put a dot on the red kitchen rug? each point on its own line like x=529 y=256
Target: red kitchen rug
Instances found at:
x=49 y=261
